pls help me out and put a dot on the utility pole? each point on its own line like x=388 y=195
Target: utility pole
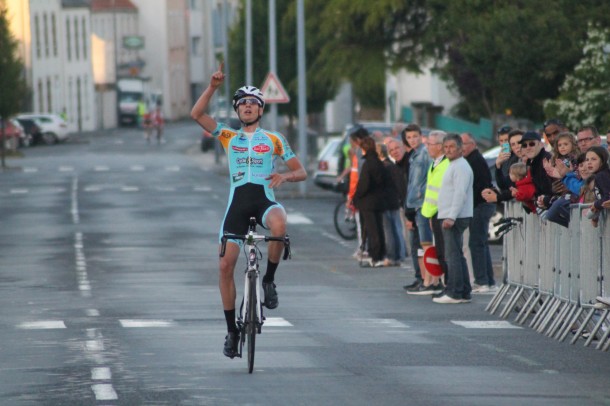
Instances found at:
x=302 y=101
x=272 y=61
x=249 y=42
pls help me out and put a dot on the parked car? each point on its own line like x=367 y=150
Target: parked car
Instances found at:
x=32 y=130
x=54 y=128
x=14 y=135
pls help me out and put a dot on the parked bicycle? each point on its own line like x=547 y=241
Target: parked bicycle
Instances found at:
x=251 y=318
x=345 y=220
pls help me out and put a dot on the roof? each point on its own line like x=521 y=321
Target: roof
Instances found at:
x=110 y=5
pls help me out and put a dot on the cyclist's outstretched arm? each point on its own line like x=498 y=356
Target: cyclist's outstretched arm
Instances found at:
x=198 y=111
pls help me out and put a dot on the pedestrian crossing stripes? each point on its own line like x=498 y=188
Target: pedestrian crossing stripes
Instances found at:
x=372 y=323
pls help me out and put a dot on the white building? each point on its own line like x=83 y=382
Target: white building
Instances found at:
x=111 y=22
x=55 y=46
x=202 y=50
x=165 y=26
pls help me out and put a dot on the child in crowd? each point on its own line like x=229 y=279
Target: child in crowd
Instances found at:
x=597 y=162
x=524 y=189
x=573 y=178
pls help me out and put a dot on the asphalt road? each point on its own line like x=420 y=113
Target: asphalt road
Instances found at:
x=108 y=291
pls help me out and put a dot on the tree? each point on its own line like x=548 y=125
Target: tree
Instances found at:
x=12 y=84
x=583 y=96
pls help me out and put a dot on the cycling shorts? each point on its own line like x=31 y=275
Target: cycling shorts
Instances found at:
x=248 y=200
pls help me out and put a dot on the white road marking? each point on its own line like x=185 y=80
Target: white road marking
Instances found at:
x=74 y=201
x=101 y=374
x=202 y=189
x=92 y=312
x=66 y=168
x=134 y=323
x=19 y=191
x=130 y=188
x=30 y=170
x=337 y=239
x=104 y=391
x=391 y=323
x=94 y=345
x=93 y=188
x=101 y=168
x=42 y=325
x=137 y=168
x=484 y=324
x=277 y=322
x=298 y=218
x=172 y=168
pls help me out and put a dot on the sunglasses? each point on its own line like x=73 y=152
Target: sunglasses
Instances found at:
x=528 y=144
x=249 y=102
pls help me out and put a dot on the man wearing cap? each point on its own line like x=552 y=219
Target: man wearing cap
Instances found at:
x=533 y=150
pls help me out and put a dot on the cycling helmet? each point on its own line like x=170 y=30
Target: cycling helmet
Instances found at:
x=246 y=91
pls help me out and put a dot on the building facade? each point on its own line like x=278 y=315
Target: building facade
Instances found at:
x=55 y=47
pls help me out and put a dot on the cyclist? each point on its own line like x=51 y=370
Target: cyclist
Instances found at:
x=250 y=152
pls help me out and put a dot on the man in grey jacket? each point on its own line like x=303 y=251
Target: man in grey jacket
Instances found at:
x=455 y=208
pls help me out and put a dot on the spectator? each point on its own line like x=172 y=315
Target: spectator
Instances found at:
x=393 y=221
x=369 y=199
x=415 y=246
x=551 y=129
x=356 y=135
x=597 y=162
x=455 y=205
x=573 y=179
x=482 y=266
x=419 y=162
x=502 y=161
x=588 y=137
x=533 y=150
x=524 y=189
x=503 y=164
x=432 y=284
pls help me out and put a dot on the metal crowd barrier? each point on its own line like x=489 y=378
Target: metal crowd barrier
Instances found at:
x=554 y=276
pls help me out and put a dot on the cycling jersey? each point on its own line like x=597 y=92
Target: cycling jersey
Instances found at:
x=251 y=160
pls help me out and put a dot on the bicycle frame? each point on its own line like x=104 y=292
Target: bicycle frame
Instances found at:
x=248 y=325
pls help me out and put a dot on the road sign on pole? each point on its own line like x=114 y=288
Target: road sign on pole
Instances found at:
x=273 y=91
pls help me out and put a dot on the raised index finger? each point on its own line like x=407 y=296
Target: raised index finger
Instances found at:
x=221 y=67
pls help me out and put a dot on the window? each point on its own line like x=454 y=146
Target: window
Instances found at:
x=45 y=34
x=76 y=45
x=40 y=96
x=84 y=32
x=49 y=96
x=37 y=30
x=54 y=34
x=195 y=46
x=68 y=44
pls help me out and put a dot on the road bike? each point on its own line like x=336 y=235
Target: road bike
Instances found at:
x=345 y=221
x=251 y=318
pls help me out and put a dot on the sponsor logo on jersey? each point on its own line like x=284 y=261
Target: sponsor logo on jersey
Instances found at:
x=239 y=149
x=238 y=176
x=261 y=148
x=249 y=161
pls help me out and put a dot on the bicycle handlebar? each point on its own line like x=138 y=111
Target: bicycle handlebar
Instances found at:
x=254 y=238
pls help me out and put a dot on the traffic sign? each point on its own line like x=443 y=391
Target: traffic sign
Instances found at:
x=431 y=262
x=273 y=91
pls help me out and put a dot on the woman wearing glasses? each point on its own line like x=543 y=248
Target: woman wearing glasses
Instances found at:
x=250 y=153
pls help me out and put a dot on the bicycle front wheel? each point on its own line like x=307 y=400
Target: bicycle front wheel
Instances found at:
x=345 y=221
x=252 y=323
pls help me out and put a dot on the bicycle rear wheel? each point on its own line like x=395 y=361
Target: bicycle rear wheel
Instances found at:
x=345 y=222
x=251 y=323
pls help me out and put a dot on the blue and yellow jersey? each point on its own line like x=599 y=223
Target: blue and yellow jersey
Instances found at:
x=251 y=157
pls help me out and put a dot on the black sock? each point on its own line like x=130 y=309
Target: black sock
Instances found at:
x=270 y=274
x=230 y=318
